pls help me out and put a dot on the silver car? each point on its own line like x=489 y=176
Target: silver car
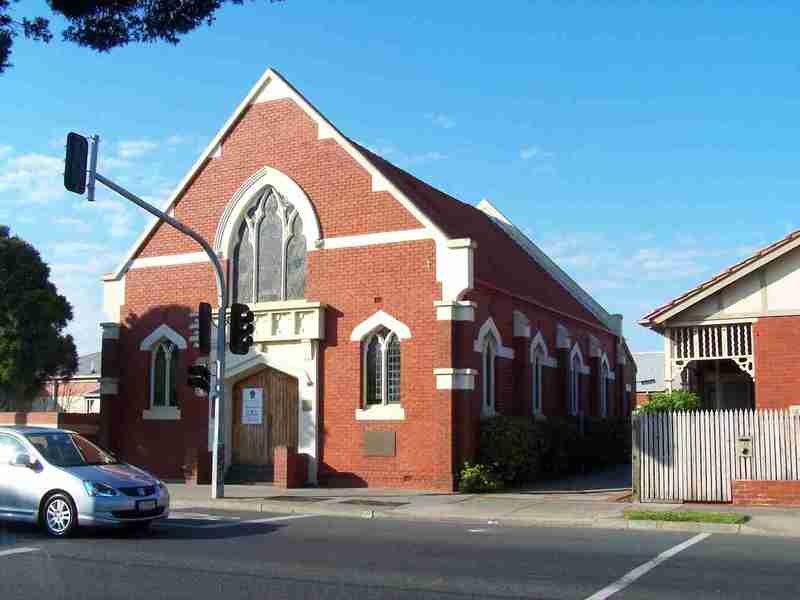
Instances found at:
x=61 y=480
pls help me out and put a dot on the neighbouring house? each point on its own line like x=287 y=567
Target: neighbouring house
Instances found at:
x=77 y=394
x=390 y=317
x=650 y=375
x=735 y=339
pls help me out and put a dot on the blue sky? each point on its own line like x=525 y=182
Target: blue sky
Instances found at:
x=644 y=146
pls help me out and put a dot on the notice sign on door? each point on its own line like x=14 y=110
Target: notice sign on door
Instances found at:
x=252 y=406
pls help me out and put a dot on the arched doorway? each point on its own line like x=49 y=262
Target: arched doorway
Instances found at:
x=265 y=413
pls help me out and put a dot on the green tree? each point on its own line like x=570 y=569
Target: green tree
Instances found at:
x=107 y=24
x=676 y=400
x=33 y=315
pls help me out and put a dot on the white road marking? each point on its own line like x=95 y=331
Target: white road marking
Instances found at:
x=17 y=551
x=201 y=516
x=621 y=584
x=477 y=530
x=236 y=523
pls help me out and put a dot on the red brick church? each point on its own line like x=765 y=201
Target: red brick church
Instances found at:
x=390 y=317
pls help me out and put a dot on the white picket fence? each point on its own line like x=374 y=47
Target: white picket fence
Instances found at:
x=693 y=456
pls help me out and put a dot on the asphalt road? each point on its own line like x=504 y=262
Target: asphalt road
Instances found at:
x=245 y=555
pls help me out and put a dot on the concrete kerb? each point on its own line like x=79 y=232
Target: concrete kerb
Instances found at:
x=331 y=508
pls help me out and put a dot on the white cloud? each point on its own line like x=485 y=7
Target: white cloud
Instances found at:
x=36 y=178
x=175 y=140
x=535 y=153
x=135 y=148
x=426 y=157
x=75 y=225
x=5 y=150
x=441 y=120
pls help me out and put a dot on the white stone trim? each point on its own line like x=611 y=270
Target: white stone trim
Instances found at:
x=381 y=412
x=458 y=243
x=109 y=386
x=272 y=86
x=459 y=310
x=539 y=343
x=110 y=331
x=563 y=338
x=374 y=239
x=380 y=319
x=237 y=206
x=162 y=332
x=113 y=298
x=162 y=413
x=455 y=379
x=169 y=260
x=489 y=327
x=595 y=349
x=576 y=350
x=522 y=325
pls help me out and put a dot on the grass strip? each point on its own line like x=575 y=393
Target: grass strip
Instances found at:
x=686 y=516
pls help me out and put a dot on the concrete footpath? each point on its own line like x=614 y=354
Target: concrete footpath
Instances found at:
x=600 y=508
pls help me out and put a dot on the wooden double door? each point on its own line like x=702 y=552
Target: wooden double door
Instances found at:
x=265 y=416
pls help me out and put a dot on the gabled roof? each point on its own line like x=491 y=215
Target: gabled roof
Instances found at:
x=508 y=260
x=492 y=230
x=721 y=280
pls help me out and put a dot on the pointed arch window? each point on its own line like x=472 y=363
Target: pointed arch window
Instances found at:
x=603 y=389
x=164 y=375
x=489 y=361
x=382 y=368
x=269 y=257
x=576 y=365
x=538 y=363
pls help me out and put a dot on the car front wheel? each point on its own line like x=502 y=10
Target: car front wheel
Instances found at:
x=59 y=516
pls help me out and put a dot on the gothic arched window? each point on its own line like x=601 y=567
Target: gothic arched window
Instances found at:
x=269 y=258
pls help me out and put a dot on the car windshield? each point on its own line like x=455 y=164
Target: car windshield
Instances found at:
x=69 y=450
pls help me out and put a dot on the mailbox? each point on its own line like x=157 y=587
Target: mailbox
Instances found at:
x=744 y=447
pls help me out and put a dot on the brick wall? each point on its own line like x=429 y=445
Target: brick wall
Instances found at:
x=290 y=467
x=766 y=493
x=777 y=356
x=441 y=426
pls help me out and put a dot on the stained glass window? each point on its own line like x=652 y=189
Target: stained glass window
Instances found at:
x=269 y=257
x=374 y=368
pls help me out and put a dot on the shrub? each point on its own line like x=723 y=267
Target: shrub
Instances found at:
x=513 y=447
x=522 y=450
x=676 y=400
x=477 y=478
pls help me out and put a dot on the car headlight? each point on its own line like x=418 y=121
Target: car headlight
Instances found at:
x=94 y=488
x=161 y=486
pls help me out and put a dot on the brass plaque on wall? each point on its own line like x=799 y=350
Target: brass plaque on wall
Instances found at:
x=379 y=443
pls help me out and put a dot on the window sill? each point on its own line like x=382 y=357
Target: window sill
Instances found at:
x=162 y=413
x=383 y=412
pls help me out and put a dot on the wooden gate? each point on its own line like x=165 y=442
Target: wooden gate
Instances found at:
x=253 y=444
x=694 y=456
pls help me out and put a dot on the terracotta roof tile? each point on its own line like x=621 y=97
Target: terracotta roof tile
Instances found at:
x=719 y=277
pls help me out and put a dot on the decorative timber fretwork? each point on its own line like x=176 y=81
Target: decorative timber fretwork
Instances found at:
x=713 y=342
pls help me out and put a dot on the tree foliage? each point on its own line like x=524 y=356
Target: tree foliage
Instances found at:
x=33 y=316
x=107 y=24
x=676 y=400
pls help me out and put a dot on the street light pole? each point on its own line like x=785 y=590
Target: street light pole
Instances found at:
x=218 y=374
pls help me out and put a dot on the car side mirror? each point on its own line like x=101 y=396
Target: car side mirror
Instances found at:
x=22 y=459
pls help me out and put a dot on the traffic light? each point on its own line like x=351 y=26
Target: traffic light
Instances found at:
x=75 y=164
x=241 y=328
x=204 y=328
x=199 y=377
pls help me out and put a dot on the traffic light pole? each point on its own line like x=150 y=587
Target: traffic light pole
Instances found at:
x=218 y=375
